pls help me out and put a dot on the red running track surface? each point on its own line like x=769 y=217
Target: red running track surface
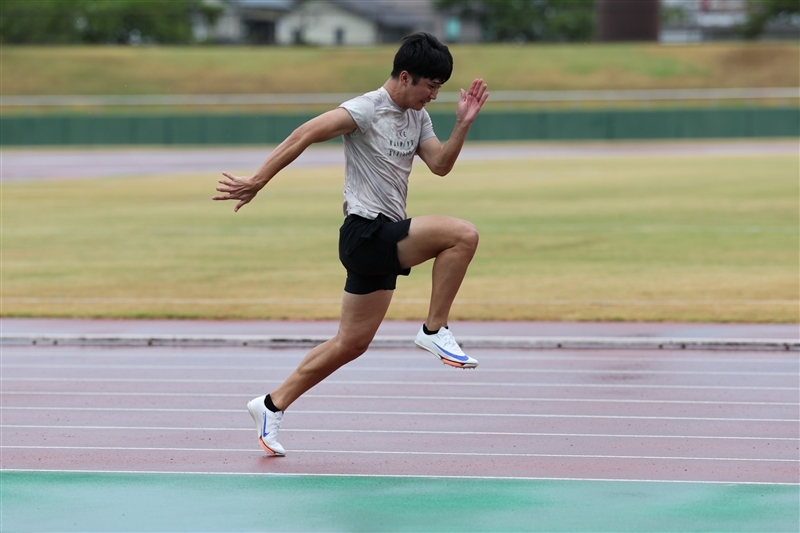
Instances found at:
x=583 y=414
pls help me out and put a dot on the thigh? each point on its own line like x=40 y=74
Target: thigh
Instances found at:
x=362 y=314
x=430 y=235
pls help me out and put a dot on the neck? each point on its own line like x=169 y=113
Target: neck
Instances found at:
x=395 y=90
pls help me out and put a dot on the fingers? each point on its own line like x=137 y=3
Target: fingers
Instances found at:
x=232 y=180
x=235 y=188
x=477 y=91
x=232 y=189
x=478 y=88
x=242 y=201
x=228 y=182
x=226 y=186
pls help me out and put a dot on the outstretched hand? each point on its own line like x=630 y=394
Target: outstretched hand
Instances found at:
x=471 y=102
x=242 y=189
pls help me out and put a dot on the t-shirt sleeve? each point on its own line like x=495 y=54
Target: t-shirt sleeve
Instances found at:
x=426 y=130
x=362 y=109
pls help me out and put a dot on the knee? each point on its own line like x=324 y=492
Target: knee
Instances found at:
x=468 y=235
x=352 y=348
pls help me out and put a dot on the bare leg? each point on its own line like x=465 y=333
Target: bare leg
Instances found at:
x=361 y=316
x=452 y=242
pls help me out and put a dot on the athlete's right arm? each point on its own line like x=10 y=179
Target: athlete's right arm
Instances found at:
x=320 y=129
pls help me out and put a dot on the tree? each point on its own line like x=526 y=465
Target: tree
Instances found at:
x=528 y=20
x=761 y=12
x=100 y=21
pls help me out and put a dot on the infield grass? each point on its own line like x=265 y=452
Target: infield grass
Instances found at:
x=625 y=238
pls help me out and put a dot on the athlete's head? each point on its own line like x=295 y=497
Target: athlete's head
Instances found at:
x=423 y=56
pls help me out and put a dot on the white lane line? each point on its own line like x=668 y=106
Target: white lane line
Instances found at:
x=261 y=382
x=394 y=452
x=475 y=301
x=395 y=413
x=161 y=368
x=295 y=354
x=397 y=432
x=385 y=476
x=395 y=397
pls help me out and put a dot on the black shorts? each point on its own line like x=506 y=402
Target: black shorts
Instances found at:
x=368 y=250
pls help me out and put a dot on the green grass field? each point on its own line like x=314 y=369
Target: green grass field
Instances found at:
x=29 y=70
x=627 y=238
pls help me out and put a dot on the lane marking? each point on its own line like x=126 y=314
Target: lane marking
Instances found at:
x=397 y=398
x=395 y=413
x=402 y=342
x=400 y=432
x=399 y=476
x=280 y=353
x=395 y=452
x=401 y=300
x=404 y=369
x=261 y=382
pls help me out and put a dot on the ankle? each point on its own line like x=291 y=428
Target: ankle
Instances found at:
x=431 y=331
x=269 y=404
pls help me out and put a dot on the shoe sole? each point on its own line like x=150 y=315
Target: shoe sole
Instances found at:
x=268 y=449
x=260 y=439
x=445 y=361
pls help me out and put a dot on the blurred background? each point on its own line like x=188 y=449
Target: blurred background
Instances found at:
x=642 y=154
x=91 y=72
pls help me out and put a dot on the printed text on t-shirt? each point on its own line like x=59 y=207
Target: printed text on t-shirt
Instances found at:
x=401 y=146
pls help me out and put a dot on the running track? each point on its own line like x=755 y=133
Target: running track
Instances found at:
x=157 y=439
x=706 y=432
x=22 y=164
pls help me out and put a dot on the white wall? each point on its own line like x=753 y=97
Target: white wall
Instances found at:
x=318 y=22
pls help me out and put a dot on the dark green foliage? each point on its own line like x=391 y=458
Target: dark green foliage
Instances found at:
x=100 y=21
x=761 y=12
x=528 y=20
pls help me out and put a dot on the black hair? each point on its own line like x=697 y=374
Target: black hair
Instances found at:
x=423 y=56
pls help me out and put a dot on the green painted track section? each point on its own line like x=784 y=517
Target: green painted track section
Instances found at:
x=48 y=501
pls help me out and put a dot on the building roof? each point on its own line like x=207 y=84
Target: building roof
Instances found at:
x=277 y=5
x=384 y=13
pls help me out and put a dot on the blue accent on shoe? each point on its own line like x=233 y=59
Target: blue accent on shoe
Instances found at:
x=264 y=431
x=462 y=358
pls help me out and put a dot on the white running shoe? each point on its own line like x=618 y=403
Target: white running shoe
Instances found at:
x=444 y=346
x=267 y=425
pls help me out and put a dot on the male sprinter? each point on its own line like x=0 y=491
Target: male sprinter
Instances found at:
x=383 y=130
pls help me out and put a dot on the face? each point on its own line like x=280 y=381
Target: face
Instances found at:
x=417 y=96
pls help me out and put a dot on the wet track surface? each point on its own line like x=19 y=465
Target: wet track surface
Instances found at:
x=576 y=414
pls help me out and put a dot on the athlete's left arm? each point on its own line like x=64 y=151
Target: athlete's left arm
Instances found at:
x=439 y=157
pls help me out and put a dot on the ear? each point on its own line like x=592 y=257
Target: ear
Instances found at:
x=405 y=78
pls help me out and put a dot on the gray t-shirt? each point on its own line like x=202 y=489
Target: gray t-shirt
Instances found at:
x=378 y=155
